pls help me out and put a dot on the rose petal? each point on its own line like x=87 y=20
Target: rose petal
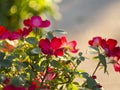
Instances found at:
x=45 y=23
x=55 y=43
x=36 y=21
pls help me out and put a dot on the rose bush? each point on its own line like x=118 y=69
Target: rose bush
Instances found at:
x=33 y=58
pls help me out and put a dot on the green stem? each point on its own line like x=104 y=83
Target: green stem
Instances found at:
x=93 y=72
x=97 y=64
x=44 y=76
x=96 y=68
x=36 y=32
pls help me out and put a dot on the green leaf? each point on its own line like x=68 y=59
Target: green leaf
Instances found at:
x=6 y=63
x=35 y=66
x=96 y=57
x=2 y=78
x=55 y=63
x=10 y=57
x=84 y=88
x=78 y=73
x=41 y=69
x=72 y=86
x=93 y=50
x=19 y=65
x=82 y=58
x=74 y=58
x=91 y=82
x=78 y=61
x=32 y=40
x=60 y=31
x=44 y=63
x=25 y=64
x=31 y=73
x=35 y=51
x=18 y=80
x=80 y=53
x=2 y=55
x=84 y=75
x=50 y=35
x=103 y=61
x=76 y=83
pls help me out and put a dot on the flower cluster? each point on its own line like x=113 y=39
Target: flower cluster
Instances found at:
x=33 y=58
x=110 y=49
x=57 y=46
x=34 y=22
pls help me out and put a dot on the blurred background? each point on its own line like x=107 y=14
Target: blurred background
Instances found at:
x=85 y=19
x=13 y=12
x=82 y=19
